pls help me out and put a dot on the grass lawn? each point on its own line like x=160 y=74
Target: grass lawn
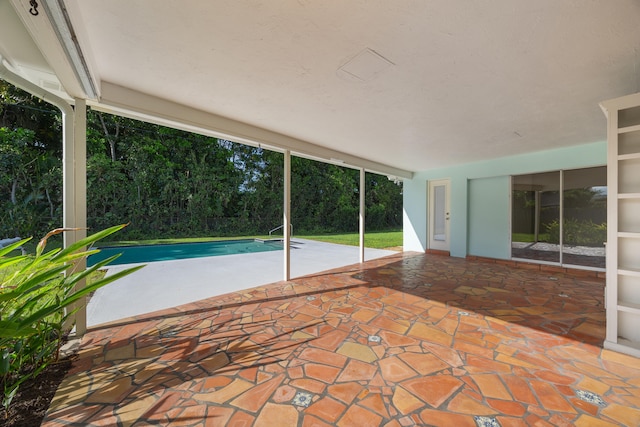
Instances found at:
x=524 y=237
x=376 y=240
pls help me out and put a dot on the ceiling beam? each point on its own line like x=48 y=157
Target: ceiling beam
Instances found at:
x=126 y=102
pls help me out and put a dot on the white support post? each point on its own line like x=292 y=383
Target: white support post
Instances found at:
x=561 y=219
x=362 y=213
x=75 y=194
x=286 y=226
x=536 y=220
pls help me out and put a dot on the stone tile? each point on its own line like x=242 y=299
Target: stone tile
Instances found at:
x=392 y=339
x=357 y=371
x=491 y=386
x=276 y=415
x=72 y=391
x=424 y=364
x=330 y=341
x=284 y=394
x=326 y=409
x=520 y=389
x=394 y=370
x=587 y=407
x=254 y=398
x=555 y=377
x=357 y=416
x=345 y=392
x=434 y=390
x=430 y=334
x=622 y=414
x=375 y=402
x=217 y=415
x=445 y=353
x=482 y=365
x=550 y=398
x=241 y=419
x=215 y=362
x=323 y=356
x=324 y=373
x=507 y=407
x=303 y=336
x=311 y=421
x=237 y=352
x=385 y=323
x=310 y=385
x=111 y=392
x=589 y=421
x=226 y=393
x=622 y=359
x=435 y=418
x=358 y=351
x=405 y=402
x=463 y=404
x=119 y=353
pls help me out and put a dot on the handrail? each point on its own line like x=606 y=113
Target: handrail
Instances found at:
x=279 y=227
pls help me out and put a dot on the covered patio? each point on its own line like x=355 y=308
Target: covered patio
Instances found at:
x=410 y=339
x=453 y=100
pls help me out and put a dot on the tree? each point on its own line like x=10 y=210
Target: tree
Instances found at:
x=170 y=183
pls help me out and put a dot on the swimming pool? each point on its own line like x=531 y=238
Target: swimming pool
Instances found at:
x=151 y=253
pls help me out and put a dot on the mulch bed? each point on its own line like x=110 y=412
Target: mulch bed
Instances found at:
x=32 y=400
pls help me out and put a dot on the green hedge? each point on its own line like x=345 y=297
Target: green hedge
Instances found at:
x=578 y=233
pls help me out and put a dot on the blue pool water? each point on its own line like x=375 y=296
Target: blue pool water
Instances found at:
x=151 y=253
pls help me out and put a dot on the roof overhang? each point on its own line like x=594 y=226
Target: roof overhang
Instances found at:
x=392 y=87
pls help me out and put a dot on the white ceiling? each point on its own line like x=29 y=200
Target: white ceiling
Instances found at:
x=443 y=82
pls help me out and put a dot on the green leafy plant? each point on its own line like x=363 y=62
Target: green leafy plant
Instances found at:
x=578 y=233
x=35 y=291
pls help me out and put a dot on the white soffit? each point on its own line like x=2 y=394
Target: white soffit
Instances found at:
x=438 y=83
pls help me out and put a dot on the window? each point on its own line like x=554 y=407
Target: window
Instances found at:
x=560 y=217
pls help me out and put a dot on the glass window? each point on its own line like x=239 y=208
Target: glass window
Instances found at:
x=542 y=231
x=535 y=213
x=585 y=217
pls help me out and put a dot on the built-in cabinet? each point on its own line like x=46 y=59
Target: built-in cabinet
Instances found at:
x=623 y=224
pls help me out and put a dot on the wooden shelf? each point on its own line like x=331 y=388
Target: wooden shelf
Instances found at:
x=629 y=272
x=628 y=195
x=628 y=129
x=629 y=307
x=631 y=156
x=629 y=234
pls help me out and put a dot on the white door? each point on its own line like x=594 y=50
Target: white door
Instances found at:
x=439 y=214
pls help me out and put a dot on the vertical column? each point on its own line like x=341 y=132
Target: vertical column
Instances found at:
x=75 y=193
x=286 y=225
x=561 y=218
x=362 y=213
x=611 y=288
x=536 y=221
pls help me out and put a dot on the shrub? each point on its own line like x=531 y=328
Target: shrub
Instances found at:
x=34 y=293
x=578 y=233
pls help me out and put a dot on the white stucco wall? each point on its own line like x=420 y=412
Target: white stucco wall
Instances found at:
x=487 y=233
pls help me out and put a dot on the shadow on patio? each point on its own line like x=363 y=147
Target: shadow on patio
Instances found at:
x=410 y=339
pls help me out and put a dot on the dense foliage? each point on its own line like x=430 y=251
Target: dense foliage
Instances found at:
x=170 y=183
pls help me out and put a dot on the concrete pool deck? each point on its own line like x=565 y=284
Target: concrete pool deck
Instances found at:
x=166 y=284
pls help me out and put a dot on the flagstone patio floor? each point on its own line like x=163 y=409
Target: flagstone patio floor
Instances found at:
x=410 y=339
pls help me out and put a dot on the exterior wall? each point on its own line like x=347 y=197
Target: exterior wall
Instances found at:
x=480 y=198
x=488 y=217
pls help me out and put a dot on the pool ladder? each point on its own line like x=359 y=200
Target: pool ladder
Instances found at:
x=279 y=227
